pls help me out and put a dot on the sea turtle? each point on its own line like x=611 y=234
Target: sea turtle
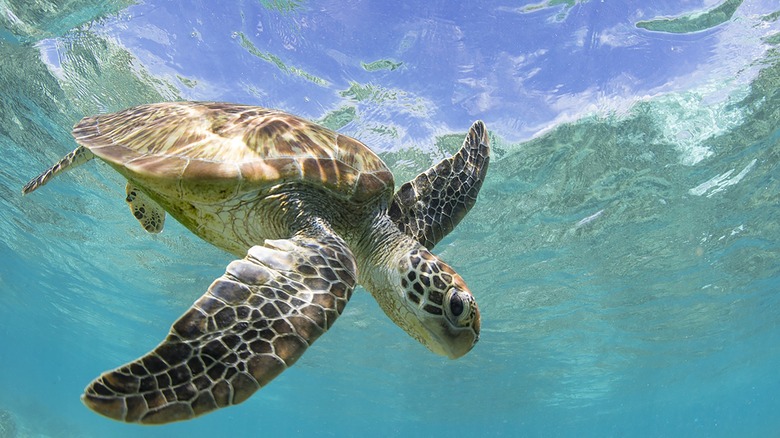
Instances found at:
x=309 y=212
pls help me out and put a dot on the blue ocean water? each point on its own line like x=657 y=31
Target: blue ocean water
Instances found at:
x=625 y=248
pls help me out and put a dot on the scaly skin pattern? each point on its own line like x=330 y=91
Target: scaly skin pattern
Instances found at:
x=253 y=323
x=422 y=295
x=431 y=205
x=306 y=211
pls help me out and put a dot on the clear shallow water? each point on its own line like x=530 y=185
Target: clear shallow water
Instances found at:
x=624 y=249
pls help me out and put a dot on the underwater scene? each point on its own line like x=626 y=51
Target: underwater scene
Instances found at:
x=624 y=249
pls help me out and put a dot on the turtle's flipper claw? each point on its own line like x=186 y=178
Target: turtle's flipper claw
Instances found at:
x=254 y=322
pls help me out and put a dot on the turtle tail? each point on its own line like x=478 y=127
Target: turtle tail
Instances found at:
x=79 y=156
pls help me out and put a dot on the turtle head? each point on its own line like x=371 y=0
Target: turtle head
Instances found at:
x=440 y=310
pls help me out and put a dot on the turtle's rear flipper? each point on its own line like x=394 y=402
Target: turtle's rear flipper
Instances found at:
x=428 y=207
x=253 y=323
x=149 y=213
x=79 y=156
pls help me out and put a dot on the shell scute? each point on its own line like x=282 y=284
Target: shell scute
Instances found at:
x=158 y=165
x=368 y=184
x=267 y=170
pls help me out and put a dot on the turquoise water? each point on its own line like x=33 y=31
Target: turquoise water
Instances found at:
x=625 y=248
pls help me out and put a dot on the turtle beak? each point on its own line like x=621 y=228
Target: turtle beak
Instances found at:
x=454 y=342
x=463 y=346
x=461 y=340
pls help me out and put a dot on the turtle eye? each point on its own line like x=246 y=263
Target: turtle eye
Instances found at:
x=457 y=307
x=456 y=304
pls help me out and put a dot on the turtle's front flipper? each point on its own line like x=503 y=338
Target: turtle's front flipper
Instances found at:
x=79 y=156
x=431 y=205
x=253 y=323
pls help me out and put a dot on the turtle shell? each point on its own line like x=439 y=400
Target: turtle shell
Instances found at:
x=211 y=152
